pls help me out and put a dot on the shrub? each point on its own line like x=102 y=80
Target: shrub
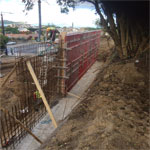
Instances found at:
x=3 y=41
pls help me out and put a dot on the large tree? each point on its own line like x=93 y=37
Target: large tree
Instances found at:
x=127 y=22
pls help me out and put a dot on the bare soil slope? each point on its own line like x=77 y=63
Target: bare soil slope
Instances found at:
x=12 y=91
x=113 y=116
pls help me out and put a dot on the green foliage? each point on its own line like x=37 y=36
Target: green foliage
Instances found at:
x=12 y=30
x=98 y=23
x=28 y=4
x=32 y=29
x=3 y=41
x=66 y=4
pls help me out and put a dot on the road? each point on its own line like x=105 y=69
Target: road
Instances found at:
x=26 y=48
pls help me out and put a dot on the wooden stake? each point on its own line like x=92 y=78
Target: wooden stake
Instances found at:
x=41 y=93
x=21 y=124
x=63 y=35
x=8 y=76
x=63 y=62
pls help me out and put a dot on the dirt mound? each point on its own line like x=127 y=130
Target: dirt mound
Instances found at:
x=11 y=92
x=126 y=73
x=105 y=49
x=113 y=116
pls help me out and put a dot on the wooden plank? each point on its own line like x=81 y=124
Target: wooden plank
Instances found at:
x=63 y=35
x=41 y=93
x=8 y=76
x=63 y=62
x=21 y=124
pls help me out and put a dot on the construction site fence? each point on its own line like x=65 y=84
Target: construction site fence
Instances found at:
x=55 y=69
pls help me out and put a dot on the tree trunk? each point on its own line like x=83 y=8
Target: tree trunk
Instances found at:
x=143 y=46
x=127 y=32
x=123 y=36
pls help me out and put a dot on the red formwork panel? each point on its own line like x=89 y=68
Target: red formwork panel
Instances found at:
x=82 y=50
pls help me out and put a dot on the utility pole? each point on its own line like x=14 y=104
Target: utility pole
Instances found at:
x=3 y=30
x=2 y=22
x=39 y=6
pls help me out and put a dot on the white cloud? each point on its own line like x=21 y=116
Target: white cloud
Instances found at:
x=50 y=14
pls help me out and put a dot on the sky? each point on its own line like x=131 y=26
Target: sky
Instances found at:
x=80 y=17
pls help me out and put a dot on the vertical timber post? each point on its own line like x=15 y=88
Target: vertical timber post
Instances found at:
x=62 y=64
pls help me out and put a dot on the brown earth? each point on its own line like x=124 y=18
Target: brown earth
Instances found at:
x=11 y=92
x=6 y=65
x=114 y=115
